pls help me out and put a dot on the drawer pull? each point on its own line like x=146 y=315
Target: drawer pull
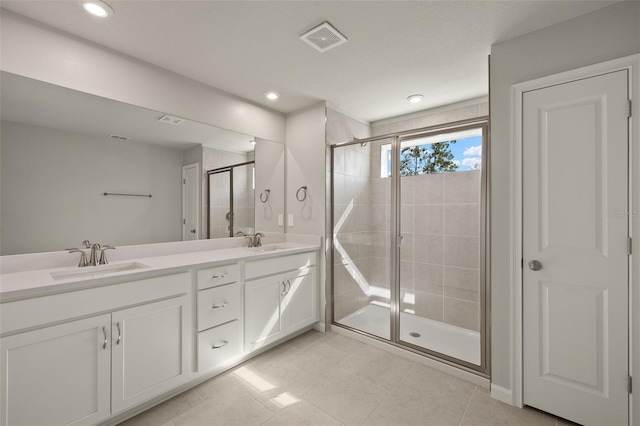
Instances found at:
x=217 y=277
x=224 y=305
x=225 y=343
x=104 y=330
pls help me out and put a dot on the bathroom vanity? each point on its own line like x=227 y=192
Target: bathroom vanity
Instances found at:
x=88 y=346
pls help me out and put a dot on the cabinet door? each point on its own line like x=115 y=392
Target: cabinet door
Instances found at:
x=301 y=301
x=150 y=349
x=263 y=315
x=57 y=375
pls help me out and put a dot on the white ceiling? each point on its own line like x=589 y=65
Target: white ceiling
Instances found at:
x=395 y=48
x=41 y=104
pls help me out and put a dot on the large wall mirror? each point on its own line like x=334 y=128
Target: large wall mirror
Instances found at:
x=76 y=167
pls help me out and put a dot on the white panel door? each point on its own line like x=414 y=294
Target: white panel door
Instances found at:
x=150 y=350
x=575 y=198
x=190 y=202
x=57 y=375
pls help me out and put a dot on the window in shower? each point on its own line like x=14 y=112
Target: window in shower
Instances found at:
x=422 y=193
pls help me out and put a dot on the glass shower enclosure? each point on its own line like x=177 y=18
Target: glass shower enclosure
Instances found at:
x=230 y=200
x=409 y=235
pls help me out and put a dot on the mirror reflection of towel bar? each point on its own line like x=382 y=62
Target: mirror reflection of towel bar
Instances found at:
x=128 y=195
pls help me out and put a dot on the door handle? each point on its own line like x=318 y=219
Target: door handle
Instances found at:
x=284 y=288
x=535 y=265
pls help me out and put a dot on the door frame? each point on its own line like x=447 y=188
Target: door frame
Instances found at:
x=631 y=63
x=197 y=201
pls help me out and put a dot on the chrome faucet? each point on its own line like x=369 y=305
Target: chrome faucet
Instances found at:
x=83 y=257
x=103 y=256
x=254 y=240
x=95 y=248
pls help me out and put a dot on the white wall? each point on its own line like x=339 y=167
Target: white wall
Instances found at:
x=269 y=175
x=34 y=50
x=306 y=167
x=53 y=183
x=603 y=35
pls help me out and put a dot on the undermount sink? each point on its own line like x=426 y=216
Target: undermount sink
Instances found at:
x=99 y=270
x=269 y=247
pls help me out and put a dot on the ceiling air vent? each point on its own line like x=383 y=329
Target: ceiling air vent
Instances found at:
x=169 y=119
x=323 y=37
x=122 y=138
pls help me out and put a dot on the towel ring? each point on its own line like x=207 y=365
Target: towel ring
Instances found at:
x=304 y=194
x=266 y=196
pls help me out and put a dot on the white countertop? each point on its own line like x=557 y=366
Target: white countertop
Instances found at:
x=34 y=283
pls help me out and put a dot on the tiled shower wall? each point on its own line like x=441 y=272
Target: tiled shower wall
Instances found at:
x=440 y=254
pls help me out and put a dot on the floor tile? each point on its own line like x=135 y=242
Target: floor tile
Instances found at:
x=276 y=385
x=485 y=411
x=307 y=339
x=378 y=367
x=302 y=413
x=229 y=408
x=318 y=360
x=344 y=344
x=346 y=397
x=434 y=383
x=407 y=407
x=165 y=412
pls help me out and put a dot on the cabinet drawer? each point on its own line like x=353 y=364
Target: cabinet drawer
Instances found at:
x=218 y=305
x=219 y=346
x=219 y=275
x=277 y=265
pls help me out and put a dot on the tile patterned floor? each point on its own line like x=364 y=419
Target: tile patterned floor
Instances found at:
x=329 y=379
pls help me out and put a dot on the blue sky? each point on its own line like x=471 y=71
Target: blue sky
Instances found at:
x=469 y=149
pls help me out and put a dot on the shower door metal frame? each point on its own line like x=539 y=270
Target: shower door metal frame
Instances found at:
x=395 y=236
x=219 y=170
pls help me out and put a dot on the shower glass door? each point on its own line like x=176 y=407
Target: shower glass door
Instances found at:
x=440 y=203
x=408 y=255
x=361 y=237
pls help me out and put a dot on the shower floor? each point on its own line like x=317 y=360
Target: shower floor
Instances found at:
x=456 y=342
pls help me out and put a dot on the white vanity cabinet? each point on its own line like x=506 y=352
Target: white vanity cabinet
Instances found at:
x=219 y=316
x=281 y=297
x=78 y=372
x=57 y=375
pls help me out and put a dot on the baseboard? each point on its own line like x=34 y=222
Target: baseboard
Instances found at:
x=501 y=394
x=320 y=326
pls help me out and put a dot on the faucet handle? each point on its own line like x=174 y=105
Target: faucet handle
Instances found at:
x=103 y=255
x=86 y=244
x=83 y=257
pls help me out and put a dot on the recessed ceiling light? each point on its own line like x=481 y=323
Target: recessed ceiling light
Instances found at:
x=272 y=96
x=414 y=99
x=97 y=8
